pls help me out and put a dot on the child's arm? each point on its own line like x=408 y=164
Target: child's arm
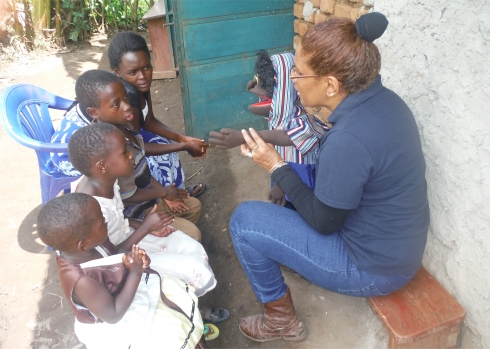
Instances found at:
x=156 y=191
x=276 y=195
x=134 y=223
x=194 y=146
x=155 y=223
x=227 y=138
x=100 y=302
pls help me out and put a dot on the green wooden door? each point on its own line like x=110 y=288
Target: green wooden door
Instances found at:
x=216 y=42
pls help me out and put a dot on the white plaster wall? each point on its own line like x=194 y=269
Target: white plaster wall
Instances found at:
x=436 y=56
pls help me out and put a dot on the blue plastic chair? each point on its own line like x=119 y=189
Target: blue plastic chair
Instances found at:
x=24 y=111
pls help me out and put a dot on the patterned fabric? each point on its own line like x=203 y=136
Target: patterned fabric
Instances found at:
x=166 y=168
x=288 y=114
x=305 y=132
x=73 y=120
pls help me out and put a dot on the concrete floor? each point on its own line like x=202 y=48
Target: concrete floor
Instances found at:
x=33 y=313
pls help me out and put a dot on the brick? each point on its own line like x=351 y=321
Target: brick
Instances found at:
x=312 y=17
x=354 y=14
x=303 y=27
x=296 y=42
x=327 y=6
x=316 y=3
x=320 y=17
x=363 y=10
x=296 y=23
x=342 y=11
x=358 y=12
x=298 y=10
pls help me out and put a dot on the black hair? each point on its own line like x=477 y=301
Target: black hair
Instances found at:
x=90 y=83
x=89 y=144
x=123 y=43
x=265 y=72
x=65 y=220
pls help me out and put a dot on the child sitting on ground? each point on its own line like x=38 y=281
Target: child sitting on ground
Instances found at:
x=99 y=152
x=129 y=58
x=117 y=302
x=101 y=97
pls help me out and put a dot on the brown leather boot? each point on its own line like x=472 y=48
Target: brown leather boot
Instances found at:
x=279 y=321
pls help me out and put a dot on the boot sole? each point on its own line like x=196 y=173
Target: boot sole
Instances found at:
x=289 y=339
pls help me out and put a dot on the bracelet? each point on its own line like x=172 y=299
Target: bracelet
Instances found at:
x=277 y=165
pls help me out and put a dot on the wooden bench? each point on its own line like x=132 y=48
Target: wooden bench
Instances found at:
x=420 y=315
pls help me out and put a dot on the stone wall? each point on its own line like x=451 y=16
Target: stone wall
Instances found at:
x=435 y=55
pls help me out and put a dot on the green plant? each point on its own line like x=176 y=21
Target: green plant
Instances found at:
x=74 y=21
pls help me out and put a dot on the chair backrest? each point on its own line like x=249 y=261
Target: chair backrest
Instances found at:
x=24 y=111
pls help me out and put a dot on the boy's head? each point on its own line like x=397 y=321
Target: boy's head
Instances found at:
x=100 y=147
x=72 y=222
x=103 y=96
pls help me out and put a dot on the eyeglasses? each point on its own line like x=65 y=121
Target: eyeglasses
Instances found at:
x=293 y=74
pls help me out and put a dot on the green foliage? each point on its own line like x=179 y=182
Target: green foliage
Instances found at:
x=81 y=17
x=73 y=19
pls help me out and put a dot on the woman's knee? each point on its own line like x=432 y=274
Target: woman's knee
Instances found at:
x=243 y=215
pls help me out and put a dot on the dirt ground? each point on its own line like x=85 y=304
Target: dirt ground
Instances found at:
x=33 y=312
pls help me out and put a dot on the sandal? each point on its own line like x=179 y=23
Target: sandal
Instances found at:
x=190 y=189
x=210 y=332
x=215 y=316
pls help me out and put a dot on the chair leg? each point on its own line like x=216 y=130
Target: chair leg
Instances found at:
x=45 y=187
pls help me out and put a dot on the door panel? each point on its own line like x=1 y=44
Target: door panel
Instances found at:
x=216 y=44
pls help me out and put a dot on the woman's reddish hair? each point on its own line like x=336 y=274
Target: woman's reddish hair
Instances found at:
x=334 y=48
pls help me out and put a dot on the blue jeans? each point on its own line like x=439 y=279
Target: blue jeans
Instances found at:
x=265 y=235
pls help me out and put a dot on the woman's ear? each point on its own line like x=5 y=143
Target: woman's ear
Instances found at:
x=333 y=86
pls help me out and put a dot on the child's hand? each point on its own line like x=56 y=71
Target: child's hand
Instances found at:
x=165 y=231
x=146 y=259
x=155 y=221
x=175 y=194
x=276 y=195
x=134 y=260
x=197 y=149
x=176 y=206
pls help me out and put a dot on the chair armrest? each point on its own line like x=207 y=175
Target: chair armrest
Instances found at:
x=37 y=145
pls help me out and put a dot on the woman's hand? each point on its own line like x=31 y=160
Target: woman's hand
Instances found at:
x=262 y=153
